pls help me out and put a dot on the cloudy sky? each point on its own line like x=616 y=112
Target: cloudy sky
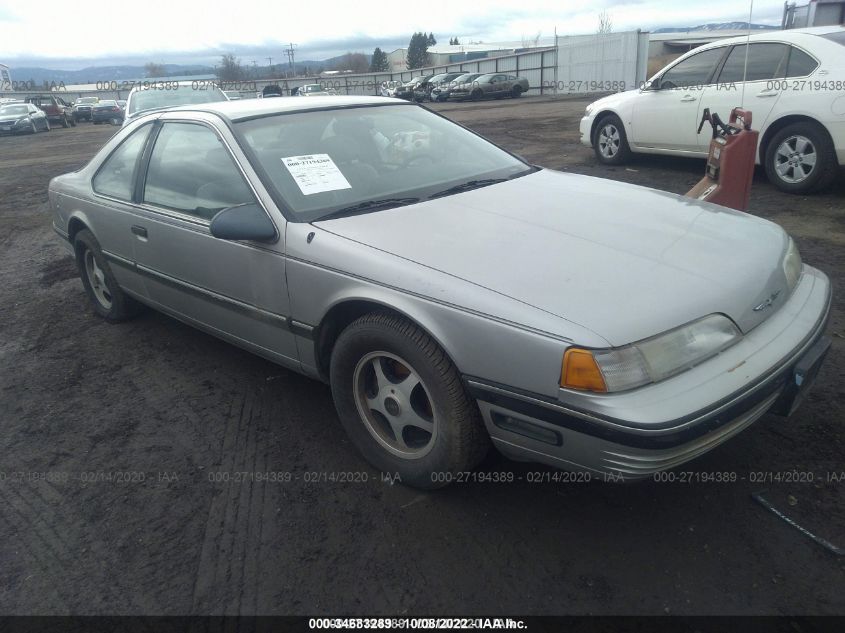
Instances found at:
x=54 y=34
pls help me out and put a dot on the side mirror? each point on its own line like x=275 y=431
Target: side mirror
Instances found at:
x=243 y=222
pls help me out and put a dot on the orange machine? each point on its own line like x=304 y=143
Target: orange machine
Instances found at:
x=730 y=164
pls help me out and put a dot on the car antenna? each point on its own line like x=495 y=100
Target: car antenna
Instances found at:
x=747 y=46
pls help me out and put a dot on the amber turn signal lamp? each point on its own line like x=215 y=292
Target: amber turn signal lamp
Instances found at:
x=580 y=371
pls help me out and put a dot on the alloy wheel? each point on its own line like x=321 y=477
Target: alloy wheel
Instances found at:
x=97 y=280
x=395 y=405
x=609 y=141
x=795 y=159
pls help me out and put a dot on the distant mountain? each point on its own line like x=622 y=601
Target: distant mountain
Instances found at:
x=719 y=26
x=93 y=74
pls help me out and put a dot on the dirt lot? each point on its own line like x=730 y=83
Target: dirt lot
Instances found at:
x=132 y=421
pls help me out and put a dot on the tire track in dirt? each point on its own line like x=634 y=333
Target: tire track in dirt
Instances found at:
x=41 y=515
x=227 y=541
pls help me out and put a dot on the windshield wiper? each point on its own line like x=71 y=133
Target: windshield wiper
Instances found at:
x=466 y=186
x=368 y=205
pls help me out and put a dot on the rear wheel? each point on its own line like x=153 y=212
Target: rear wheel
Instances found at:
x=476 y=94
x=610 y=143
x=402 y=402
x=517 y=90
x=110 y=302
x=801 y=158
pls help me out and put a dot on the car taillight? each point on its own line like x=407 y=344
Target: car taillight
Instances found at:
x=115 y=109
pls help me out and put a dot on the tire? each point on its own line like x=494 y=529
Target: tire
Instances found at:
x=72 y=121
x=610 y=143
x=95 y=122
x=109 y=301
x=476 y=94
x=32 y=128
x=47 y=127
x=65 y=121
x=455 y=439
x=516 y=92
x=789 y=152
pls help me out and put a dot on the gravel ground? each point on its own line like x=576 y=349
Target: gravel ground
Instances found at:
x=112 y=435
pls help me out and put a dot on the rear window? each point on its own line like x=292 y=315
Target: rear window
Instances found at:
x=764 y=61
x=836 y=36
x=800 y=64
x=184 y=95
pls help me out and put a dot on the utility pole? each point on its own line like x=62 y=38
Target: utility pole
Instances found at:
x=292 y=57
x=254 y=69
x=270 y=62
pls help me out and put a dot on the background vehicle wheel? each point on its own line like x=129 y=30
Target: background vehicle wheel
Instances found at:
x=65 y=121
x=72 y=122
x=32 y=128
x=402 y=401
x=110 y=302
x=517 y=90
x=610 y=143
x=476 y=94
x=47 y=127
x=801 y=158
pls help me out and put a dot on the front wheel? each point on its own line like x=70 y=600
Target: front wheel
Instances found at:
x=476 y=94
x=109 y=300
x=516 y=92
x=610 y=142
x=402 y=403
x=801 y=158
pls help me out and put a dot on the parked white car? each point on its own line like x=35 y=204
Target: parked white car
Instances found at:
x=794 y=86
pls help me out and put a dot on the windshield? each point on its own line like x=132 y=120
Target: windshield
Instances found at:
x=14 y=109
x=87 y=100
x=107 y=103
x=313 y=88
x=324 y=161
x=183 y=95
x=462 y=79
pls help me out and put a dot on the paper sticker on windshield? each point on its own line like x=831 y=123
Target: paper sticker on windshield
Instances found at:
x=315 y=173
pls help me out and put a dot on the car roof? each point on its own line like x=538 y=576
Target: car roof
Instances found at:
x=248 y=108
x=793 y=36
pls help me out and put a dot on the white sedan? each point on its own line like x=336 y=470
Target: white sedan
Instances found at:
x=794 y=84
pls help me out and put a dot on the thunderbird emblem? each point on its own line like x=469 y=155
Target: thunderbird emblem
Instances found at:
x=768 y=302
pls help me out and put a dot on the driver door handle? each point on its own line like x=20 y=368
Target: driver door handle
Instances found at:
x=688 y=98
x=763 y=95
x=140 y=231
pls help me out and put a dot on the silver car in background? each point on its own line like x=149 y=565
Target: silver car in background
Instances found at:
x=450 y=293
x=160 y=95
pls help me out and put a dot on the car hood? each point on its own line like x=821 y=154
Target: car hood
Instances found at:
x=7 y=118
x=627 y=262
x=614 y=100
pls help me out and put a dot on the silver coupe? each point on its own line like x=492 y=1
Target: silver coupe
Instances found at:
x=450 y=293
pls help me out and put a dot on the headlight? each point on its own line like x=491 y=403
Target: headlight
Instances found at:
x=23 y=119
x=650 y=360
x=792 y=264
x=589 y=109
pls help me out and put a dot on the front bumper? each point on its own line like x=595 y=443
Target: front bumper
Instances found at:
x=106 y=116
x=585 y=127
x=14 y=127
x=638 y=433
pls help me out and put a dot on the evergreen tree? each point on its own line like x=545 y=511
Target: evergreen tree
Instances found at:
x=379 y=63
x=417 y=56
x=430 y=40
